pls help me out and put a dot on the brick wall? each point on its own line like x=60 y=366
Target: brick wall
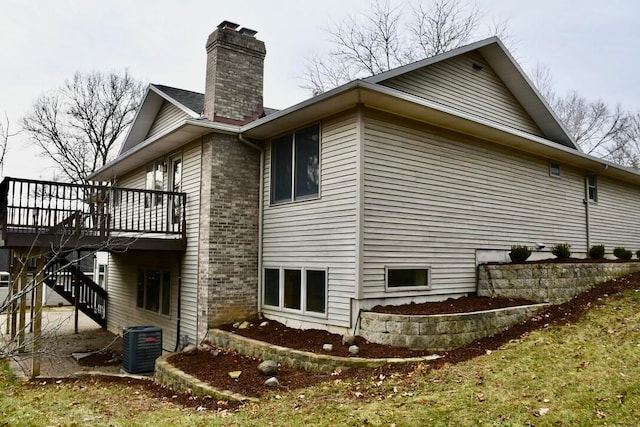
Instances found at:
x=234 y=81
x=229 y=229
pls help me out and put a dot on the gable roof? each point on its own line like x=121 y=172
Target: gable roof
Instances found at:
x=194 y=101
x=514 y=78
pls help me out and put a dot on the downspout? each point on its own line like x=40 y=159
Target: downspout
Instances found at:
x=260 y=207
x=587 y=201
x=179 y=302
x=586 y=211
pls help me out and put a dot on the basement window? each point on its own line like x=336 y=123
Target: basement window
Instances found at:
x=295 y=165
x=303 y=290
x=153 y=290
x=407 y=278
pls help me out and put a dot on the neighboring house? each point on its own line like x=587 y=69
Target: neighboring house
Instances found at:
x=385 y=190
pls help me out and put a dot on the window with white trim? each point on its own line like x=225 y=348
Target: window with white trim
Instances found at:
x=154 y=180
x=303 y=290
x=592 y=188
x=554 y=169
x=407 y=278
x=295 y=173
x=153 y=292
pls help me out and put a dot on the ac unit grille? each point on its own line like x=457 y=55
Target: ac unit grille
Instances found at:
x=141 y=346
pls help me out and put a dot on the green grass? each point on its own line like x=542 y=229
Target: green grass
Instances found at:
x=580 y=374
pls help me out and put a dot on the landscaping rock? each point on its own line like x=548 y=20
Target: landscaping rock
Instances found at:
x=348 y=339
x=268 y=367
x=236 y=325
x=272 y=382
x=190 y=349
x=244 y=325
x=205 y=347
x=327 y=347
x=235 y=374
x=354 y=350
x=264 y=324
x=215 y=352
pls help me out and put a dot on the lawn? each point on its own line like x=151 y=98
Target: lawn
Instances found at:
x=586 y=373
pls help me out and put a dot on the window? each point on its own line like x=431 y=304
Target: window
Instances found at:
x=4 y=279
x=102 y=275
x=153 y=290
x=295 y=165
x=554 y=169
x=407 y=278
x=176 y=186
x=304 y=290
x=154 y=181
x=592 y=188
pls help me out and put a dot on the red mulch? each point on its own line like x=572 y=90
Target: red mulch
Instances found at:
x=569 y=261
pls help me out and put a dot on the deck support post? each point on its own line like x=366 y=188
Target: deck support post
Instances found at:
x=37 y=321
x=76 y=291
x=13 y=308
x=22 y=289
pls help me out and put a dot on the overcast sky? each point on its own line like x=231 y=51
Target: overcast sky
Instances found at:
x=589 y=46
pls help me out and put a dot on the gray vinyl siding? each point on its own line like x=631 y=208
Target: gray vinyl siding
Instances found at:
x=615 y=218
x=123 y=267
x=122 y=311
x=320 y=233
x=433 y=197
x=168 y=116
x=456 y=84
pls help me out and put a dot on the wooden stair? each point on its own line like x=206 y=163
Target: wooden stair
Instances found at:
x=66 y=278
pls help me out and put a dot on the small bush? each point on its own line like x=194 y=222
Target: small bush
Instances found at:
x=622 y=253
x=638 y=254
x=561 y=250
x=519 y=253
x=596 y=252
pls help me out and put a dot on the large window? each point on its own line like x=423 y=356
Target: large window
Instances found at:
x=154 y=181
x=407 y=278
x=154 y=290
x=303 y=290
x=295 y=165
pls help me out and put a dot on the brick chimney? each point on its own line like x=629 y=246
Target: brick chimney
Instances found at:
x=234 y=82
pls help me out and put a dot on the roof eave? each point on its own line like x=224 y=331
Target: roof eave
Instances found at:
x=171 y=139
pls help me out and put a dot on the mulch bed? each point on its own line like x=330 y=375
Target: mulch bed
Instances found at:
x=451 y=306
x=569 y=261
x=101 y=358
x=215 y=369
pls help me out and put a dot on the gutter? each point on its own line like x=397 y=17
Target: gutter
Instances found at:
x=260 y=208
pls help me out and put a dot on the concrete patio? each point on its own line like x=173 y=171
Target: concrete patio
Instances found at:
x=59 y=342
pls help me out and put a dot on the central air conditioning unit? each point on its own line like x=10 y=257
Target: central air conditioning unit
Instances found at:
x=141 y=346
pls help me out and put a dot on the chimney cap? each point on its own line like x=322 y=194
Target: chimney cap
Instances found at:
x=248 y=31
x=227 y=24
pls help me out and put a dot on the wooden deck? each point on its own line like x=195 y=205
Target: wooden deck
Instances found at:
x=57 y=215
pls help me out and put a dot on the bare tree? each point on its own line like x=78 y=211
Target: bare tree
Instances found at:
x=80 y=125
x=609 y=133
x=386 y=37
x=5 y=134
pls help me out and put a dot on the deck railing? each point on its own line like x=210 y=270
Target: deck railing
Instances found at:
x=45 y=207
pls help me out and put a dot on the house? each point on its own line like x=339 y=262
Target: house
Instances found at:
x=385 y=190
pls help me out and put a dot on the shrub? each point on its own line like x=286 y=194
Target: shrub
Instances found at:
x=561 y=250
x=596 y=252
x=638 y=254
x=622 y=253
x=519 y=253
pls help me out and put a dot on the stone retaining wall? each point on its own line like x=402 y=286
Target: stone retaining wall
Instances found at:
x=553 y=282
x=176 y=379
x=313 y=362
x=441 y=332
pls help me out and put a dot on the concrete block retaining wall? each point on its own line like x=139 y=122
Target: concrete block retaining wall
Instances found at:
x=441 y=332
x=313 y=362
x=554 y=282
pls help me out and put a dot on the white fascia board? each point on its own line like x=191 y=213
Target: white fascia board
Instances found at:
x=158 y=145
x=179 y=105
x=458 y=121
x=429 y=61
